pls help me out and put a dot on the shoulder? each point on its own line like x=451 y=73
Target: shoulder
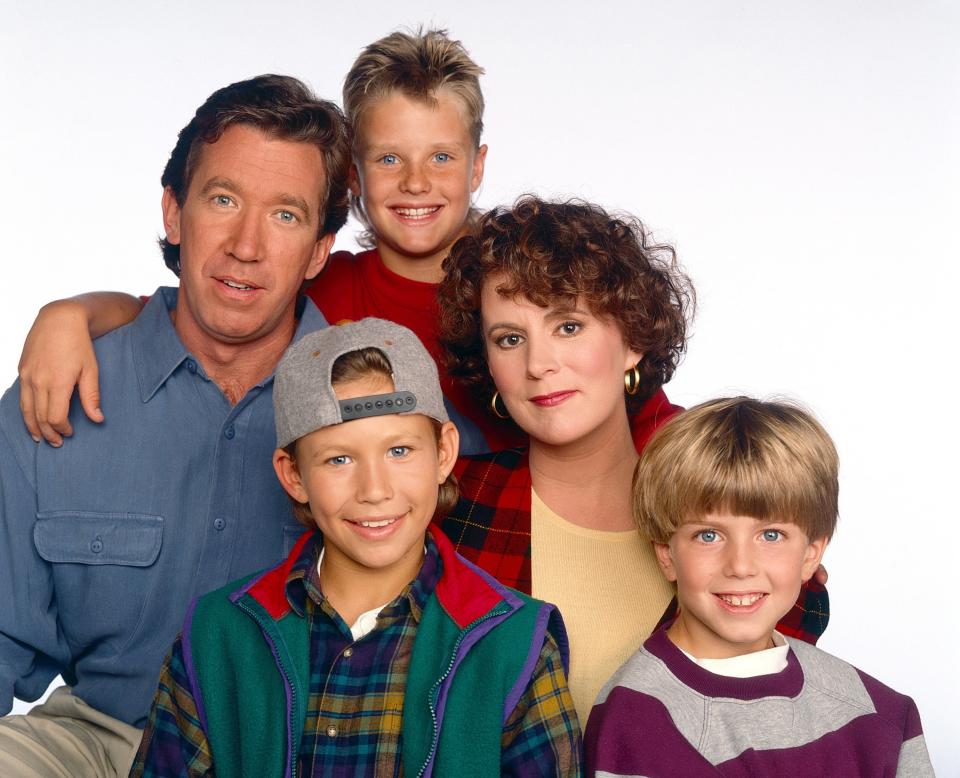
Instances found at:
x=646 y=721
x=334 y=288
x=220 y=603
x=341 y=266
x=344 y=263
x=15 y=441
x=151 y=332
x=844 y=683
x=491 y=467
x=641 y=673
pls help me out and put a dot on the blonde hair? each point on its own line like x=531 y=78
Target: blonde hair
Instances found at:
x=418 y=65
x=768 y=460
x=371 y=363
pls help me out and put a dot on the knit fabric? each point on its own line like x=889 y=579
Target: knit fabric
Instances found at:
x=663 y=715
x=627 y=595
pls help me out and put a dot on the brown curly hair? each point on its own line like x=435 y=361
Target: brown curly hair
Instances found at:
x=559 y=252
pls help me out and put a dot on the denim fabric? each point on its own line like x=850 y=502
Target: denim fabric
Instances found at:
x=105 y=541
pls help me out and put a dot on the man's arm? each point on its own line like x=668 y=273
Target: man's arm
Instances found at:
x=542 y=735
x=58 y=355
x=174 y=742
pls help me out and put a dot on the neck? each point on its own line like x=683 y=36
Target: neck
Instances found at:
x=588 y=481
x=236 y=367
x=689 y=637
x=353 y=589
x=426 y=268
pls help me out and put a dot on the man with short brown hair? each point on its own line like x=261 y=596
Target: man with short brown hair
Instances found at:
x=107 y=540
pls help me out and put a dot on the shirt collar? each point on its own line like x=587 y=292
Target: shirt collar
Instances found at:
x=158 y=351
x=303 y=581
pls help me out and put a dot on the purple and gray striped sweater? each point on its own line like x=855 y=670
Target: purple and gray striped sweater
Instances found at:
x=663 y=715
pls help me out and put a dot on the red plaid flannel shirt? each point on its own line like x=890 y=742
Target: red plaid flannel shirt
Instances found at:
x=490 y=524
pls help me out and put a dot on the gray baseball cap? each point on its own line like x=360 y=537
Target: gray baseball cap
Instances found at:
x=304 y=400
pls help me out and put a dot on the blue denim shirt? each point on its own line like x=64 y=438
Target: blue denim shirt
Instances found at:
x=105 y=541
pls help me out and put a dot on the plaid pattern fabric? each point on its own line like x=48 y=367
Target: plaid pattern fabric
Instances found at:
x=355 y=705
x=490 y=524
x=173 y=742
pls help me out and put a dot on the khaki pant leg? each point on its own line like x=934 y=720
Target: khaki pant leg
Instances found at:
x=66 y=738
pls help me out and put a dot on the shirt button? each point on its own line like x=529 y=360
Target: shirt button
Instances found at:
x=191 y=366
x=96 y=545
x=348 y=652
x=219 y=524
x=331 y=731
x=229 y=432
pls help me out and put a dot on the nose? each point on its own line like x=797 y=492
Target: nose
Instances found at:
x=245 y=239
x=415 y=179
x=739 y=560
x=541 y=356
x=373 y=483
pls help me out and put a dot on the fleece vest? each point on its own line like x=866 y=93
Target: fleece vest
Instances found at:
x=251 y=672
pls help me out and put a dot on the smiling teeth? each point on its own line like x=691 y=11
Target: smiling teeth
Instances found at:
x=375 y=524
x=744 y=599
x=416 y=213
x=235 y=285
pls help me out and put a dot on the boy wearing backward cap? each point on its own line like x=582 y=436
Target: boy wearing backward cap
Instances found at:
x=374 y=647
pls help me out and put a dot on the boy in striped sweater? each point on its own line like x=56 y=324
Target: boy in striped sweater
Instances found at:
x=740 y=499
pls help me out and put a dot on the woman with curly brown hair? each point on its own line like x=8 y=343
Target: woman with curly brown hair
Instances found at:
x=568 y=320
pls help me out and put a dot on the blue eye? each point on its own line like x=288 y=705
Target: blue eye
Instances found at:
x=708 y=535
x=772 y=535
x=441 y=156
x=287 y=216
x=343 y=459
x=399 y=451
x=389 y=159
x=223 y=200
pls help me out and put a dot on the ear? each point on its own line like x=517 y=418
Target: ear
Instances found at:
x=633 y=358
x=476 y=174
x=289 y=475
x=812 y=557
x=448 y=447
x=353 y=179
x=665 y=560
x=171 y=216
x=321 y=253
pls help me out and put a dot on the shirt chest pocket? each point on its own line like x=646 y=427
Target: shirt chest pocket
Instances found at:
x=103 y=570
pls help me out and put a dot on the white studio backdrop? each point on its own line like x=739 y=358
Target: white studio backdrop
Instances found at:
x=802 y=157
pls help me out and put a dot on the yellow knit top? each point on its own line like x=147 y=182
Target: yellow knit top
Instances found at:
x=608 y=588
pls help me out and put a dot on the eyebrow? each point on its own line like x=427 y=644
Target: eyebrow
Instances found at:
x=283 y=198
x=390 y=148
x=557 y=312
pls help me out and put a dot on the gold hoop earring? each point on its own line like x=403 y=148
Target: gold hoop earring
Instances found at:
x=504 y=414
x=631 y=380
